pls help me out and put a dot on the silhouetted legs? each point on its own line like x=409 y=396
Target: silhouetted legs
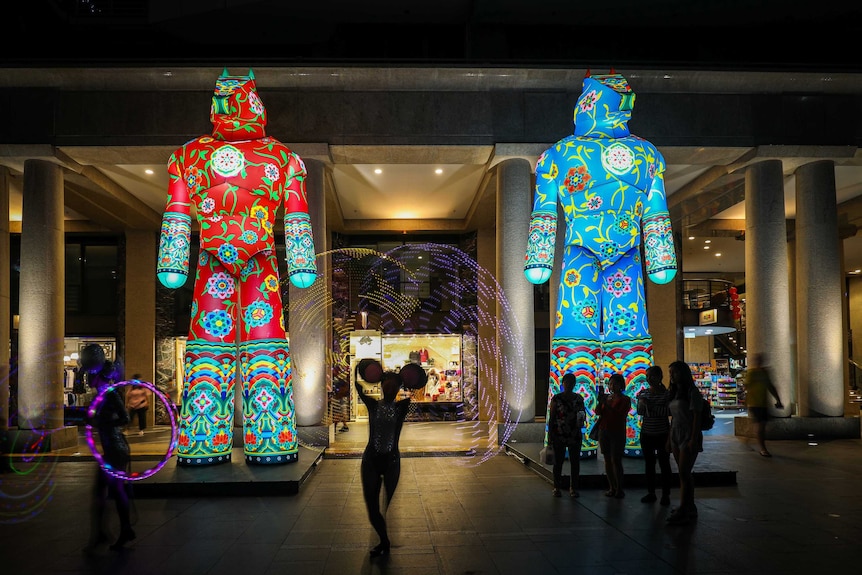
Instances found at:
x=376 y=471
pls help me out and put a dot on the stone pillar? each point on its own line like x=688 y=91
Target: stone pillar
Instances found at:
x=514 y=199
x=818 y=276
x=766 y=278
x=308 y=320
x=489 y=365
x=140 y=309
x=5 y=301
x=42 y=299
x=664 y=313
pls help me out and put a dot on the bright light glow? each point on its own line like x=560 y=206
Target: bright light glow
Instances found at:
x=74 y=355
x=707 y=241
x=691 y=237
x=706 y=247
x=438 y=171
x=378 y=171
x=149 y=172
x=718 y=254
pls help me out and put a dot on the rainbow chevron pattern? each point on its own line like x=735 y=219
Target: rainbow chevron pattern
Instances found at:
x=269 y=421
x=206 y=415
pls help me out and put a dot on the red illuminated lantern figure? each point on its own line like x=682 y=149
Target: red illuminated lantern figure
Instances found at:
x=236 y=179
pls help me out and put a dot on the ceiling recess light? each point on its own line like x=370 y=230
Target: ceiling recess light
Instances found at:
x=707 y=241
x=438 y=171
x=149 y=172
x=706 y=247
x=691 y=237
x=718 y=254
x=378 y=171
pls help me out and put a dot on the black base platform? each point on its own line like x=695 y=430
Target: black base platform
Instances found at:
x=592 y=475
x=231 y=478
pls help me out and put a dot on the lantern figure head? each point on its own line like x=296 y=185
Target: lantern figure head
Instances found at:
x=604 y=107
x=237 y=111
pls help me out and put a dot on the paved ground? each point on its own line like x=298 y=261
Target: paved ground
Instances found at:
x=795 y=513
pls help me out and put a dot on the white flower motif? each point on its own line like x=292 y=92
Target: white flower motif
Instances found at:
x=227 y=161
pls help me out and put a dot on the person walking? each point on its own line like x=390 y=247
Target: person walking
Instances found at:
x=137 y=403
x=613 y=409
x=758 y=387
x=685 y=439
x=108 y=421
x=565 y=420
x=652 y=406
x=381 y=460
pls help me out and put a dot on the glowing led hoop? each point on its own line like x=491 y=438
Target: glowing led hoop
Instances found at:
x=172 y=415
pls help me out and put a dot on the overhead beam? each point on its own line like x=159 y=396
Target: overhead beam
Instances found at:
x=126 y=208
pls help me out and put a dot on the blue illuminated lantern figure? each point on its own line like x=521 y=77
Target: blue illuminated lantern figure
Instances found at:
x=610 y=186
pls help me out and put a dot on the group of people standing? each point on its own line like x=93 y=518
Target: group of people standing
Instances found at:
x=670 y=425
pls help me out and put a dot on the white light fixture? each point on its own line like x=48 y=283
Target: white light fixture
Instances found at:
x=149 y=172
x=718 y=254
x=438 y=171
x=378 y=171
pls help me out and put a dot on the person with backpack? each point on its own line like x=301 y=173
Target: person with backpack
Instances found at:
x=685 y=439
x=565 y=419
x=652 y=406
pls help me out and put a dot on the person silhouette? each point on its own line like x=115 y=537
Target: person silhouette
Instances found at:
x=108 y=422
x=610 y=185
x=613 y=409
x=567 y=416
x=758 y=383
x=685 y=439
x=655 y=426
x=381 y=459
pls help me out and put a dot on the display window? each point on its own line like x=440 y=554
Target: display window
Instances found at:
x=440 y=357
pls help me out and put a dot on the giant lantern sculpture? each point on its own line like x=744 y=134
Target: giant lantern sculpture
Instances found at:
x=610 y=185
x=236 y=179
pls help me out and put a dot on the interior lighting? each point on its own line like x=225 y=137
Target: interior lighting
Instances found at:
x=718 y=254
x=707 y=241
x=438 y=171
x=378 y=171
x=691 y=237
x=706 y=247
x=149 y=172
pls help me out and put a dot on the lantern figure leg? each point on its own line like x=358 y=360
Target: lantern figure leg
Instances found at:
x=207 y=411
x=576 y=344
x=269 y=420
x=581 y=357
x=627 y=345
x=269 y=423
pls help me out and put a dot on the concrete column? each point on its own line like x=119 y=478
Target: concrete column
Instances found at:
x=766 y=278
x=818 y=276
x=489 y=365
x=308 y=322
x=665 y=319
x=5 y=300
x=140 y=326
x=42 y=299
x=514 y=204
x=796 y=394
